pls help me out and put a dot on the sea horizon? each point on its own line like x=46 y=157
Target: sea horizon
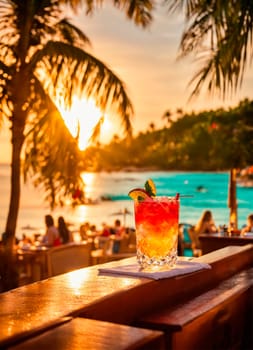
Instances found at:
x=209 y=190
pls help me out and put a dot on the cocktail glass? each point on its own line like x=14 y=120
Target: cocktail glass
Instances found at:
x=156 y=221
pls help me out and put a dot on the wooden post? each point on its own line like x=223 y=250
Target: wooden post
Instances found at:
x=232 y=199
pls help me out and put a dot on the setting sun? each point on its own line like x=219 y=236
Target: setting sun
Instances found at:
x=83 y=115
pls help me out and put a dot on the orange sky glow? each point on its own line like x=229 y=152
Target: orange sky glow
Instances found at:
x=146 y=61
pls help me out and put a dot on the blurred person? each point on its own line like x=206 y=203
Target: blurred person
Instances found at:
x=93 y=230
x=84 y=230
x=63 y=230
x=119 y=233
x=105 y=232
x=25 y=242
x=206 y=223
x=51 y=237
x=249 y=225
x=103 y=236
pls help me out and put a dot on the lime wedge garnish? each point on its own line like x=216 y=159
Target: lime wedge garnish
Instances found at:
x=138 y=194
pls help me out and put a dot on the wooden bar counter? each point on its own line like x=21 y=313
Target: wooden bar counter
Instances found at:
x=213 y=241
x=26 y=311
x=81 y=333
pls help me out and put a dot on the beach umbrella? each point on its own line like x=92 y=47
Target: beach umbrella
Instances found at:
x=123 y=213
x=29 y=227
x=232 y=199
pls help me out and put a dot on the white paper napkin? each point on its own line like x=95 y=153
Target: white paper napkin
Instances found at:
x=182 y=267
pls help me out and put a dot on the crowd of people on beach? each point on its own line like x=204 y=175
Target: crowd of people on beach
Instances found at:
x=206 y=224
x=55 y=235
x=59 y=233
x=117 y=231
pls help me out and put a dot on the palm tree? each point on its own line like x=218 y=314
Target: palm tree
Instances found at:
x=151 y=127
x=220 y=34
x=167 y=116
x=43 y=56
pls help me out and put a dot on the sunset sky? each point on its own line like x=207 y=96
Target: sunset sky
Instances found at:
x=146 y=61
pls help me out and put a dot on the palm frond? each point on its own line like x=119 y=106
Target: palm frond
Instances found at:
x=7 y=54
x=185 y=6
x=216 y=74
x=140 y=11
x=210 y=69
x=5 y=104
x=4 y=69
x=226 y=29
x=97 y=130
x=71 y=34
x=8 y=35
x=78 y=73
x=52 y=158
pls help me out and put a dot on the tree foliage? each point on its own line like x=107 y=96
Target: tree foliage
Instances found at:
x=210 y=140
x=219 y=33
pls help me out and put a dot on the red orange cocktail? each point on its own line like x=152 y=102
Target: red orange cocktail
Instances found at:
x=156 y=221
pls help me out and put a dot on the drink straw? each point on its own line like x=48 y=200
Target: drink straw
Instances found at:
x=178 y=195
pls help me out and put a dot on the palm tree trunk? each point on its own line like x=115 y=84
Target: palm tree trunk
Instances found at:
x=8 y=271
x=8 y=268
x=10 y=229
x=19 y=88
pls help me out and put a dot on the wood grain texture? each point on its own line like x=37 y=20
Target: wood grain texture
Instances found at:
x=210 y=242
x=82 y=333
x=116 y=299
x=180 y=315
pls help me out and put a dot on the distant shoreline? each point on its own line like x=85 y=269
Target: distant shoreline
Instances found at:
x=133 y=169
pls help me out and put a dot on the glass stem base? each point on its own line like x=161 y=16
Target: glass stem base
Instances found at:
x=169 y=260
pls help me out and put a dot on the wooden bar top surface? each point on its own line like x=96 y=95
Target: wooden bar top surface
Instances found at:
x=178 y=316
x=80 y=333
x=118 y=299
x=28 y=307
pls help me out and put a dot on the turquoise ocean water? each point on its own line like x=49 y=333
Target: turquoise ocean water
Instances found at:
x=116 y=185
